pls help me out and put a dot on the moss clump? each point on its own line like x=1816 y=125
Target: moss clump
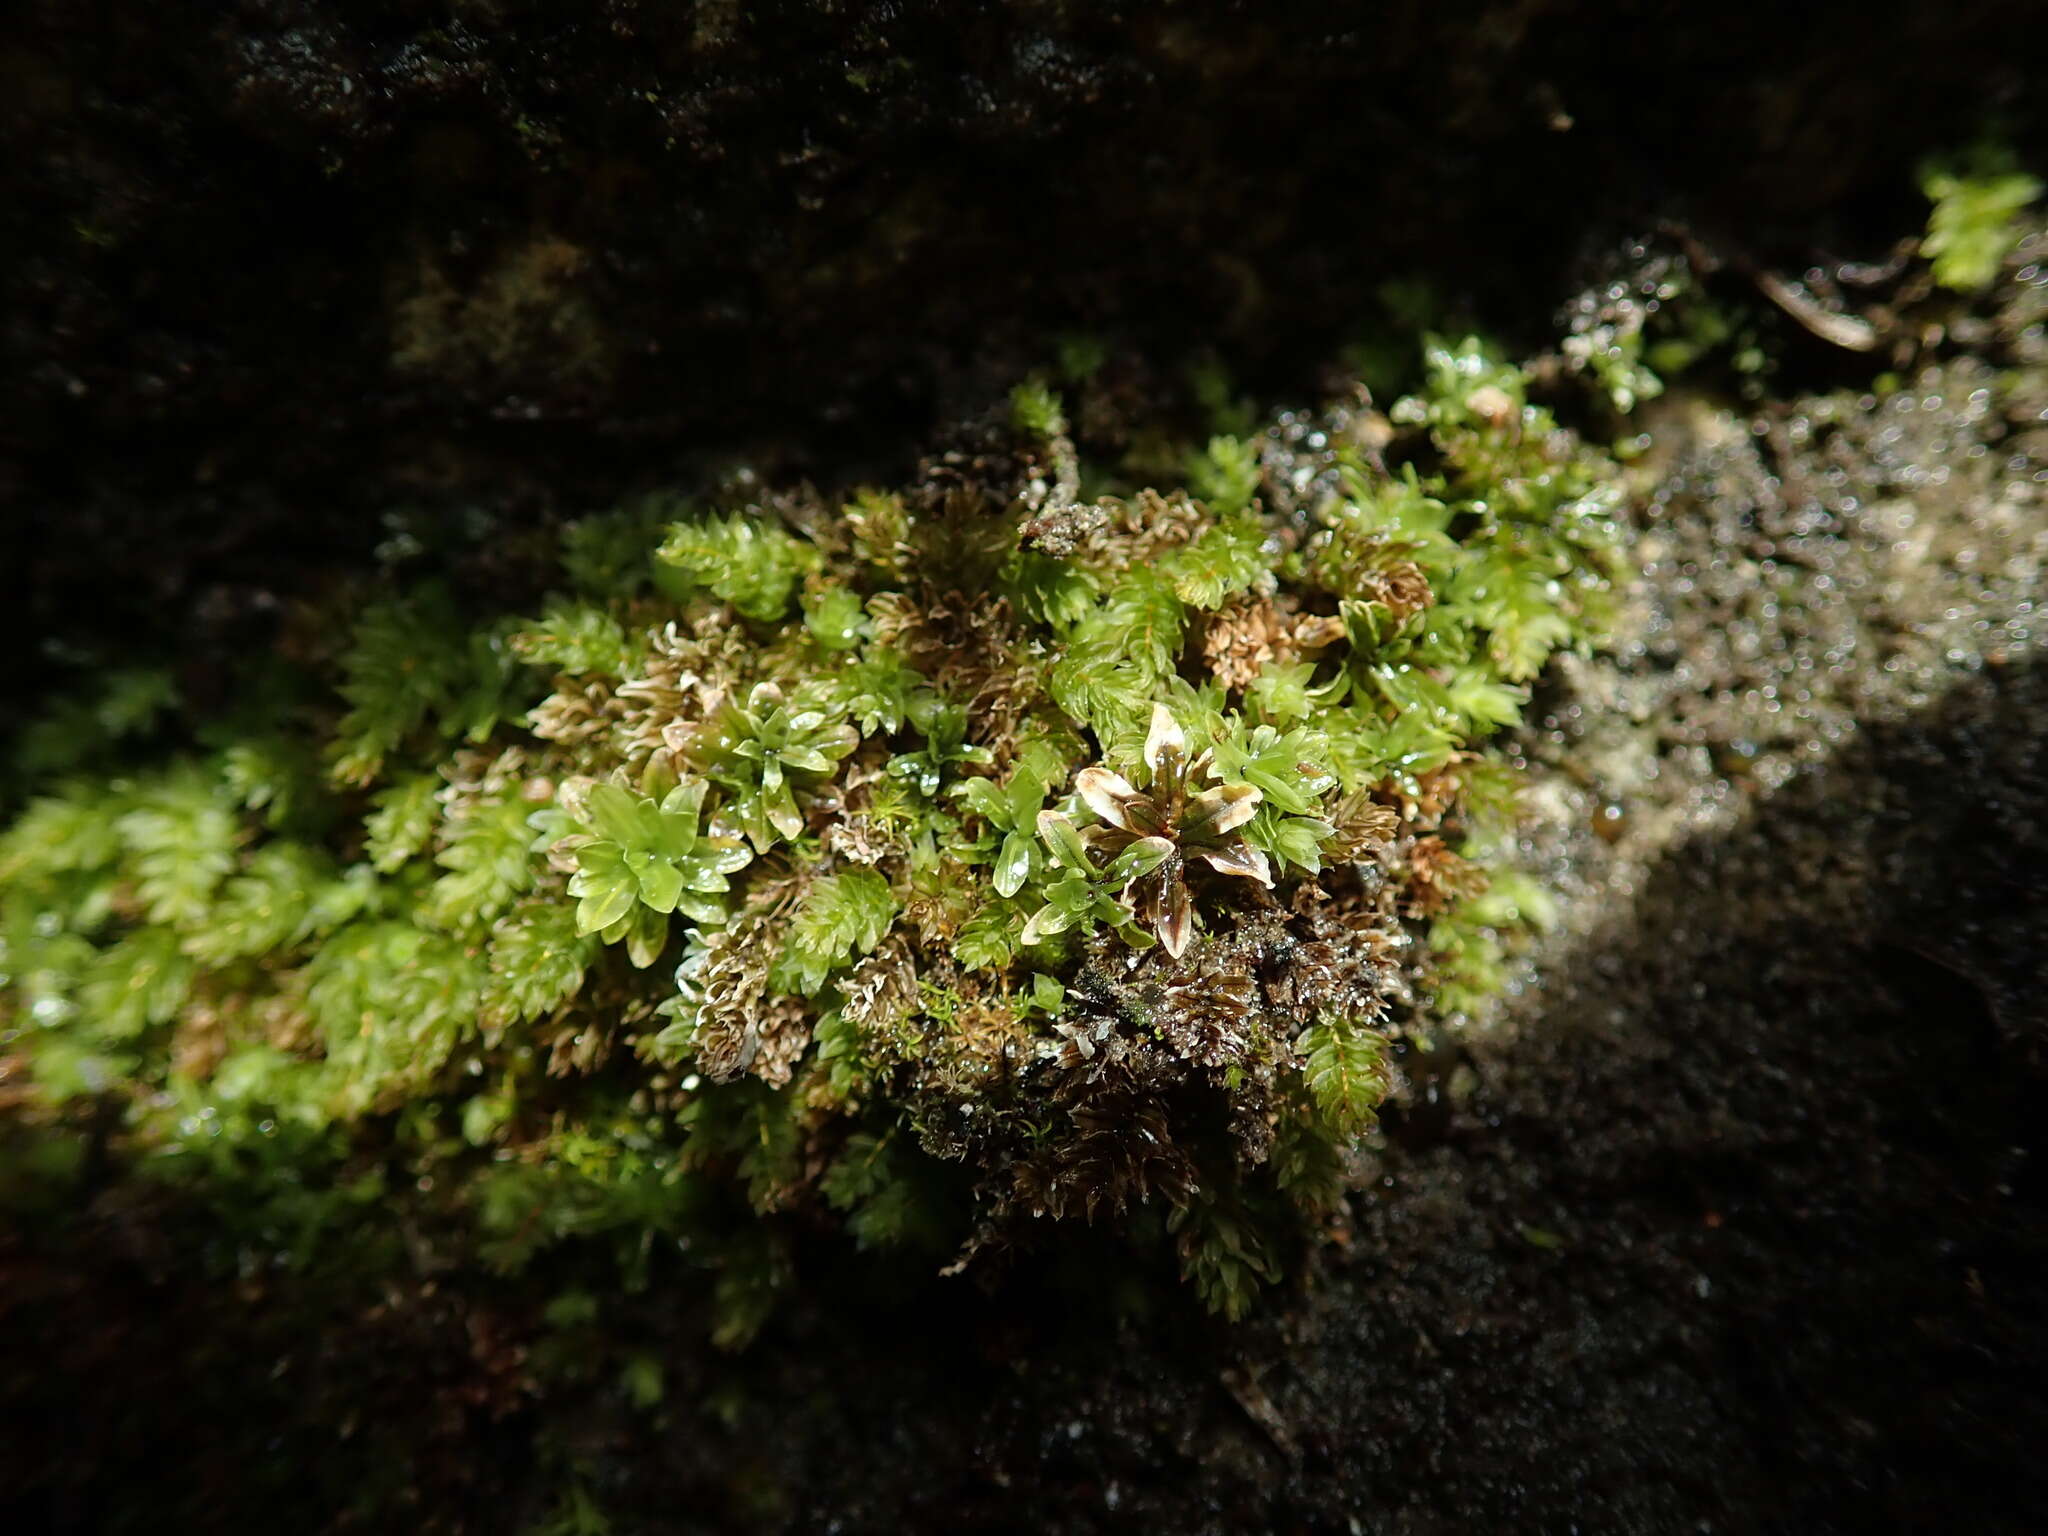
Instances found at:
x=938 y=862
x=1974 y=223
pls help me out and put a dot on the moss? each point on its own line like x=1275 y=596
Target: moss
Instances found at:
x=528 y=317
x=938 y=863
x=1974 y=223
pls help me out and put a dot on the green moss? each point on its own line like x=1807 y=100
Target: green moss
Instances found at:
x=975 y=855
x=1035 y=411
x=1973 y=224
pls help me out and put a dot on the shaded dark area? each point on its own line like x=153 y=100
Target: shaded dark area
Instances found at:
x=279 y=269
x=1746 y=1233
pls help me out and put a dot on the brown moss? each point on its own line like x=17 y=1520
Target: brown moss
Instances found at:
x=528 y=315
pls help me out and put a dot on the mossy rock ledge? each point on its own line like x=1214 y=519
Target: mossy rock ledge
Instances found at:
x=852 y=767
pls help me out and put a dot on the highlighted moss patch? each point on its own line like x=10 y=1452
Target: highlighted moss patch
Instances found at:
x=947 y=865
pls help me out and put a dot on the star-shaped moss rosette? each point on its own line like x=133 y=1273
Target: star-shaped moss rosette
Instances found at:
x=639 y=855
x=1151 y=832
x=1080 y=894
x=762 y=752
